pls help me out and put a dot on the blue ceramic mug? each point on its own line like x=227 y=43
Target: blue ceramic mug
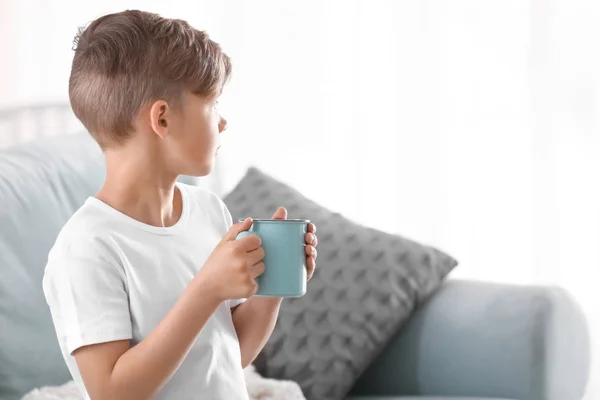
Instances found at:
x=285 y=256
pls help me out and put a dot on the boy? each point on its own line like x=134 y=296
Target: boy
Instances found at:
x=146 y=282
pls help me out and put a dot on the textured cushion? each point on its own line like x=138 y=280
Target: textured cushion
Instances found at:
x=366 y=286
x=41 y=185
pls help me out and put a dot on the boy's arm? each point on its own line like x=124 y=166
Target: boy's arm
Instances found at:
x=254 y=321
x=113 y=370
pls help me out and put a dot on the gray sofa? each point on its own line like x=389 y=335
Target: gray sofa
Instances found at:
x=469 y=341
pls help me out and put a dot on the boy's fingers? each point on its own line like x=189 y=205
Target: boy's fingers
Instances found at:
x=250 y=243
x=311 y=239
x=236 y=229
x=311 y=251
x=281 y=213
x=256 y=270
x=310 y=268
x=255 y=256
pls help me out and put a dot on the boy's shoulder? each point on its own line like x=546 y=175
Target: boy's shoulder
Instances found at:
x=204 y=198
x=210 y=206
x=84 y=232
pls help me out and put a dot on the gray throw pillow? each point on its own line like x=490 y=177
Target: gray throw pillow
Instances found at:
x=367 y=284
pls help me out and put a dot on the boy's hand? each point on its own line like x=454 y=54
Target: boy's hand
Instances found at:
x=231 y=269
x=311 y=243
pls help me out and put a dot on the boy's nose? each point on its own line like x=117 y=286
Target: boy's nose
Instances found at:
x=222 y=124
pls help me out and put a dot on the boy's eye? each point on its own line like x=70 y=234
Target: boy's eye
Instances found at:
x=216 y=104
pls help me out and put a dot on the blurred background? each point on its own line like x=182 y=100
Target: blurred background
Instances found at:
x=470 y=125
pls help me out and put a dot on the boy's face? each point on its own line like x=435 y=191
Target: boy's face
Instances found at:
x=193 y=135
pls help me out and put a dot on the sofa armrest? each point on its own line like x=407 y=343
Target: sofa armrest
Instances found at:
x=488 y=340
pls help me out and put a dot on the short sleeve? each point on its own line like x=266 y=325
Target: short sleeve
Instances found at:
x=88 y=301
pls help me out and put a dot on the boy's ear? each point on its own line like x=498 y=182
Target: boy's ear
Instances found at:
x=160 y=114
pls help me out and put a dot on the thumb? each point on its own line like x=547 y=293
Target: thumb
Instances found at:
x=281 y=213
x=236 y=229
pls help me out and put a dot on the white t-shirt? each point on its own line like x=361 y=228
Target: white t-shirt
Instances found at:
x=110 y=277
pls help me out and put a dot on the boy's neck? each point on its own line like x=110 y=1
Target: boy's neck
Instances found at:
x=140 y=188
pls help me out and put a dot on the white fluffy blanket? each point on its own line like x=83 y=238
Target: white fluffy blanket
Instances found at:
x=259 y=388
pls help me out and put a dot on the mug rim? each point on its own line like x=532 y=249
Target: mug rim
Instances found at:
x=275 y=220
